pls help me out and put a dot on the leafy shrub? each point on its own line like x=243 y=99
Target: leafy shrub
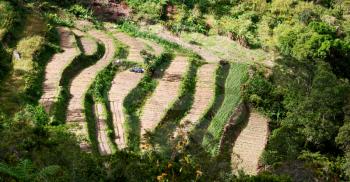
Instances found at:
x=149 y=11
x=241 y=29
x=55 y=19
x=35 y=114
x=187 y=20
x=7 y=17
x=80 y=11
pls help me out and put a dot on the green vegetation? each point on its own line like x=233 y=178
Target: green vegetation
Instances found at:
x=7 y=18
x=225 y=48
x=134 y=30
x=22 y=78
x=236 y=77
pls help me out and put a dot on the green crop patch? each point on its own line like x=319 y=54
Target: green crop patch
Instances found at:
x=236 y=77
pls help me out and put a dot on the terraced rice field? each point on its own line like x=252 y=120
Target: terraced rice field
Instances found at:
x=56 y=66
x=80 y=84
x=237 y=75
x=136 y=46
x=122 y=84
x=203 y=97
x=159 y=94
x=165 y=93
x=250 y=144
x=155 y=48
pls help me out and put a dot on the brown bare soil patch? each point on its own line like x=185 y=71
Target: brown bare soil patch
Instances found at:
x=202 y=98
x=56 y=66
x=165 y=93
x=250 y=144
x=89 y=46
x=101 y=131
x=122 y=84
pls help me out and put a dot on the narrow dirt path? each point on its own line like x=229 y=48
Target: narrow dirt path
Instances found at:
x=56 y=66
x=165 y=93
x=250 y=144
x=203 y=96
x=205 y=54
x=101 y=130
x=80 y=84
x=122 y=84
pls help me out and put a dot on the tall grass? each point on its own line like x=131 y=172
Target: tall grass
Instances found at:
x=236 y=77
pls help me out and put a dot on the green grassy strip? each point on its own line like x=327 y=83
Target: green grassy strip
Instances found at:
x=236 y=77
x=133 y=30
x=135 y=100
x=98 y=92
x=81 y=62
x=178 y=110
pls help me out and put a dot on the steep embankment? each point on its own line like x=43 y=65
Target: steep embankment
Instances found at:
x=250 y=144
x=122 y=84
x=56 y=65
x=80 y=84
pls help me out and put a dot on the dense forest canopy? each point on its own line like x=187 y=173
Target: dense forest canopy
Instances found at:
x=305 y=95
